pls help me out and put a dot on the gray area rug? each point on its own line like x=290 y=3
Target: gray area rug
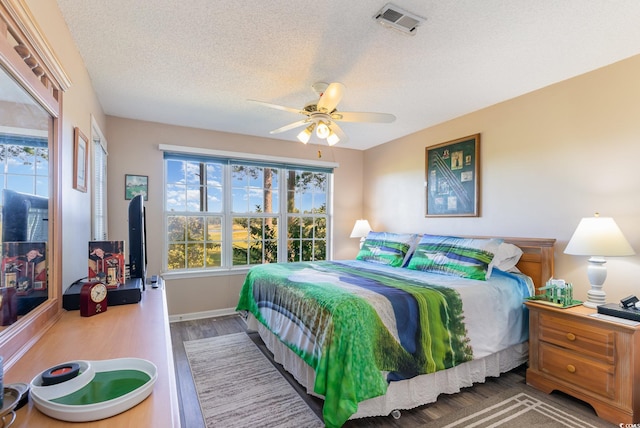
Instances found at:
x=523 y=406
x=238 y=387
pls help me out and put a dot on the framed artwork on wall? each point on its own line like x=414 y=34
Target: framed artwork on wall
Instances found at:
x=453 y=178
x=80 y=160
x=135 y=185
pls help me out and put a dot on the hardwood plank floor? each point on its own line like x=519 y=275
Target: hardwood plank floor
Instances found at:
x=191 y=415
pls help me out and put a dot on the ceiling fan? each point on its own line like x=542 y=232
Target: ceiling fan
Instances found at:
x=322 y=115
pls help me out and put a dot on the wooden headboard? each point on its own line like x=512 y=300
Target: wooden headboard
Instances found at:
x=536 y=260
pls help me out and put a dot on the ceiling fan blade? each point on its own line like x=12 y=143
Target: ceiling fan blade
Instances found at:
x=339 y=132
x=279 y=107
x=353 y=116
x=290 y=126
x=330 y=97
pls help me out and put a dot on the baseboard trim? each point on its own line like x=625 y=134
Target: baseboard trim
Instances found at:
x=200 y=315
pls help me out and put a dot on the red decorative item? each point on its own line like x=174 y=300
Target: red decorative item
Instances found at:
x=106 y=262
x=93 y=299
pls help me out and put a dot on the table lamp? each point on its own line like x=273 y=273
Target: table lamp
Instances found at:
x=598 y=237
x=360 y=230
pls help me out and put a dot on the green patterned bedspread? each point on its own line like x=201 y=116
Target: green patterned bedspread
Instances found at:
x=357 y=328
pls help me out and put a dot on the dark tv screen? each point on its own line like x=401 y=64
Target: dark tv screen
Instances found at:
x=137 y=239
x=25 y=217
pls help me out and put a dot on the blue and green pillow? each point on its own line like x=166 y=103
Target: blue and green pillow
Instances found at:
x=450 y=255
x=387 y=248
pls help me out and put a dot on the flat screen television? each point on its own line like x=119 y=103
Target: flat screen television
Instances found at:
x=25 y=217
x=137 y=239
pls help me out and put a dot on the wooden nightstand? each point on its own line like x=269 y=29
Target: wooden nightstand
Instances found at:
x=592 y=359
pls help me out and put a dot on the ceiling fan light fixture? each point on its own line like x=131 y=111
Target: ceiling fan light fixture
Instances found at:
x=333 y=139
x=322 y=130
x=305 y=135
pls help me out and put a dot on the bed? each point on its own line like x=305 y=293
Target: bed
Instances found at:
x=347 y=330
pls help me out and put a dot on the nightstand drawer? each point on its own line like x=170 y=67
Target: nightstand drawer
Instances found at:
x=585 y=373
x=587 y=339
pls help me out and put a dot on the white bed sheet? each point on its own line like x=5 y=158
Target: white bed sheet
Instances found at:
x=405 y=394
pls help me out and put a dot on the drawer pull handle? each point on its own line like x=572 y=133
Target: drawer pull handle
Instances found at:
x=571 y=336
x=571 y=368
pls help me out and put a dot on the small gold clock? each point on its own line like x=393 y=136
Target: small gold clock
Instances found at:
x=93 y=299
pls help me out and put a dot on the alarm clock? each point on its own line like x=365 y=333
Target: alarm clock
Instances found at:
x=93 y=299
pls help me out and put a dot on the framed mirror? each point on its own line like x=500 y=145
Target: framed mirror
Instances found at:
x=31 y=87
x=24 y=201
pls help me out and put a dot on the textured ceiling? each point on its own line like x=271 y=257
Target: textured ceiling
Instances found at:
x=196 y=62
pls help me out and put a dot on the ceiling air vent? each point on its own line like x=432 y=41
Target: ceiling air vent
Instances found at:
x=399 y=19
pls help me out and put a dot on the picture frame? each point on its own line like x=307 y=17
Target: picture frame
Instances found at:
x=135 y=185
x=80 y=160
x=452 y=177
x=24 y=266
x=107 y=263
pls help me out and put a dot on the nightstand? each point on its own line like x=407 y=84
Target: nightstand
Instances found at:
x=589 y=358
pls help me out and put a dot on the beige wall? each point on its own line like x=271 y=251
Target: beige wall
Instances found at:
x=133 y=149
x=548 y=159
x=79 y=104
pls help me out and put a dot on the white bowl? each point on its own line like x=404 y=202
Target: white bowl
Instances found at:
x=42 y=395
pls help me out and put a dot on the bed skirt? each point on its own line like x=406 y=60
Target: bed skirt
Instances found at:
x=405 y=394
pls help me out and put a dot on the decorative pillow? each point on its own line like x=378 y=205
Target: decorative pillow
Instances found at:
x=506 y=258
x=387 y=248
x=450 y=255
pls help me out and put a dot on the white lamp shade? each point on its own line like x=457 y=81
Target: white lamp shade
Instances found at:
x=333 y=139
x=360 y=229
x=305 y=135
x=322 y=130
x=598 y=236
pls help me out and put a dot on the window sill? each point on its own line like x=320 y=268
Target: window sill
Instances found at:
x=204 y=273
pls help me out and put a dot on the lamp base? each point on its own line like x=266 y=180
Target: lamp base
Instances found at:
x=597 y=273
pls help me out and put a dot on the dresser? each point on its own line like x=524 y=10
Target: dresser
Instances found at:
x=590 y=358
x=138 y=330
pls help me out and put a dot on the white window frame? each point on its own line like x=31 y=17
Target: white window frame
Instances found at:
x=227 y=269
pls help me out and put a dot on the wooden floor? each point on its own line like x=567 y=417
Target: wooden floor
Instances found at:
x=191 y=416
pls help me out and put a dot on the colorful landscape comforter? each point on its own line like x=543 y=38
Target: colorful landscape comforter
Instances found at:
x=360 y=325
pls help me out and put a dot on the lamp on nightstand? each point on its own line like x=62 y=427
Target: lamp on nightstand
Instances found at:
x=360 y=230
x=598 y=237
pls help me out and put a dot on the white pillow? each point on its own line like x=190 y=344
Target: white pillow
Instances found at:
x=506 y=258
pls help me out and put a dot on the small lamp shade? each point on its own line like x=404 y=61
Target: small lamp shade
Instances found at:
x=360 y=229
x=598 y=237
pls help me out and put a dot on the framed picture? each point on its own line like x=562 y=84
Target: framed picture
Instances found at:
x=135 y=185
x=453 y=178
x=24 y=266
x=80 y=160
x=106 y=263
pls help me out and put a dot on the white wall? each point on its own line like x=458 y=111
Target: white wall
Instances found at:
x=548 y=158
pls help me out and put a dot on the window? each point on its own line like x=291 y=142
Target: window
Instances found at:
x=24 y=164
x=225 y=213
x=99 y=192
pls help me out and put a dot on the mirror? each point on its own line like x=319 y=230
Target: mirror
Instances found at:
x=24 y=201
x=32 y=83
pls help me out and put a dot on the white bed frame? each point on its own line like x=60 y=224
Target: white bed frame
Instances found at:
x=536 y=262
